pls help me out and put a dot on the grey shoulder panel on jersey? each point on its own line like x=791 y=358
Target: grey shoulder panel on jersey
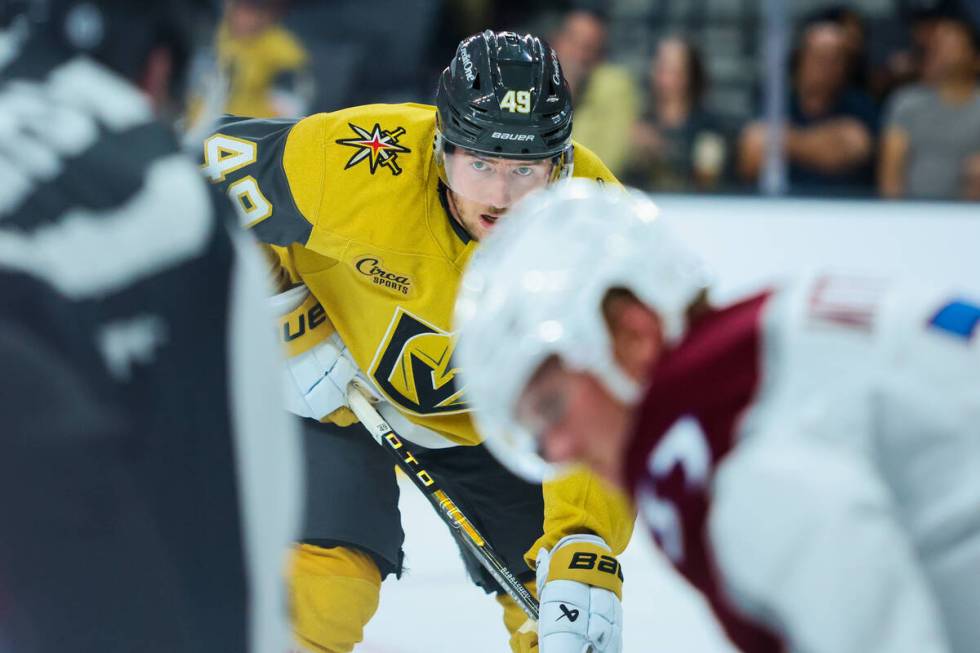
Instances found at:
x=287 y=224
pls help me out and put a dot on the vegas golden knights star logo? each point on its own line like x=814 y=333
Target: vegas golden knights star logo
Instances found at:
x=379 y=147
x=414 y=367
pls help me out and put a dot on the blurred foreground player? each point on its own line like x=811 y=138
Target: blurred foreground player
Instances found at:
x=375 y=211
x=146 y=470
x=809 y=457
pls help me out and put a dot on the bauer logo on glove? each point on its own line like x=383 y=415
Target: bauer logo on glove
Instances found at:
x=581 y=589
x=606 y=564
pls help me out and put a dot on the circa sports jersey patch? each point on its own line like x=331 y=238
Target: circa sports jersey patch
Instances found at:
x=372 y=268
x=379 y=147
x=414 y=367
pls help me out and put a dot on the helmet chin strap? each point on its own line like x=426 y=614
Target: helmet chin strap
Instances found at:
x=454 y=212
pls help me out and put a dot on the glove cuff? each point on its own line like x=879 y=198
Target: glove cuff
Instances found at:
x=303 y=323
x=586 y=559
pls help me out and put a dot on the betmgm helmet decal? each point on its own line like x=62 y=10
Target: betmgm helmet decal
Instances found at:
x=415 y=367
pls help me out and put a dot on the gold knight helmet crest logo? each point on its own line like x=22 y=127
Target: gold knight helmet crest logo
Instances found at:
x=414 y=367
x=379 y=147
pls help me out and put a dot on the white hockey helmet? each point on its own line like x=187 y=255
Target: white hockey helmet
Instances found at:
x=535 y=289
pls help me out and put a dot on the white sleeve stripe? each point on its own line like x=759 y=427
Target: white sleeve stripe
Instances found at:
x=168 y=221
x=42 y=123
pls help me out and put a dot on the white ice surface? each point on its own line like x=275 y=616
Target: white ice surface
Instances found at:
x=435 y=609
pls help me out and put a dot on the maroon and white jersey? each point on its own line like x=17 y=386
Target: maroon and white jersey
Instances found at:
x=809 y=458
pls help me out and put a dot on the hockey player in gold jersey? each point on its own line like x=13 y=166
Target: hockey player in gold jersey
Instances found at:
x=371 y=213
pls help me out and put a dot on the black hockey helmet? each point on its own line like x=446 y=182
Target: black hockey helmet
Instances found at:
x=118 y=33
x=504 y=96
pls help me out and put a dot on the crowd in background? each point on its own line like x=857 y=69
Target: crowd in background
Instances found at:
x=881 y=96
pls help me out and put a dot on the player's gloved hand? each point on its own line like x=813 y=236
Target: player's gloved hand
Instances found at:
x=580 y=585
x=318 y=366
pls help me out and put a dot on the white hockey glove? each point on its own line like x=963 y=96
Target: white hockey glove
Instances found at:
x=580 y=585
x=318 y=366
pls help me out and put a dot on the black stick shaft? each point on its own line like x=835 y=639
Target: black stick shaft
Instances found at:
x=445 y=507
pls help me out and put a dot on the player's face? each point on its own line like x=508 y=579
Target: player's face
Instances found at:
x=576 y=419
x=573 y=414
x=484 y=188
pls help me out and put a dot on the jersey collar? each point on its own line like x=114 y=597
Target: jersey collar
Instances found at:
x=463 y=235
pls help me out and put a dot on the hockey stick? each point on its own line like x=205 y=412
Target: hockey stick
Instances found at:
x=445 y=507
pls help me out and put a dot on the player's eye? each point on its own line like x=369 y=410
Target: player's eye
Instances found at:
x=524 y=171
x=480 y=166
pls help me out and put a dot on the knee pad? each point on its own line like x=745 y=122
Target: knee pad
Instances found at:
x=522 y=640
x=333 y=594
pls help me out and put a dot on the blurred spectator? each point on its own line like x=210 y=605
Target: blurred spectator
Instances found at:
x=266 y=64
x=855 y=40
x=605 y=98
x=368 y=51
x=904 y=65
x=931 y=143
x=677 y=145
x=263 y=64
x=829 y=141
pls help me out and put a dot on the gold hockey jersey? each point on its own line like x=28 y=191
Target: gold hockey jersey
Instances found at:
x=354 y=196
x=352 y=202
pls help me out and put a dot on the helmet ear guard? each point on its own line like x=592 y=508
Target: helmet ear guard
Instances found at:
x=564 y=164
